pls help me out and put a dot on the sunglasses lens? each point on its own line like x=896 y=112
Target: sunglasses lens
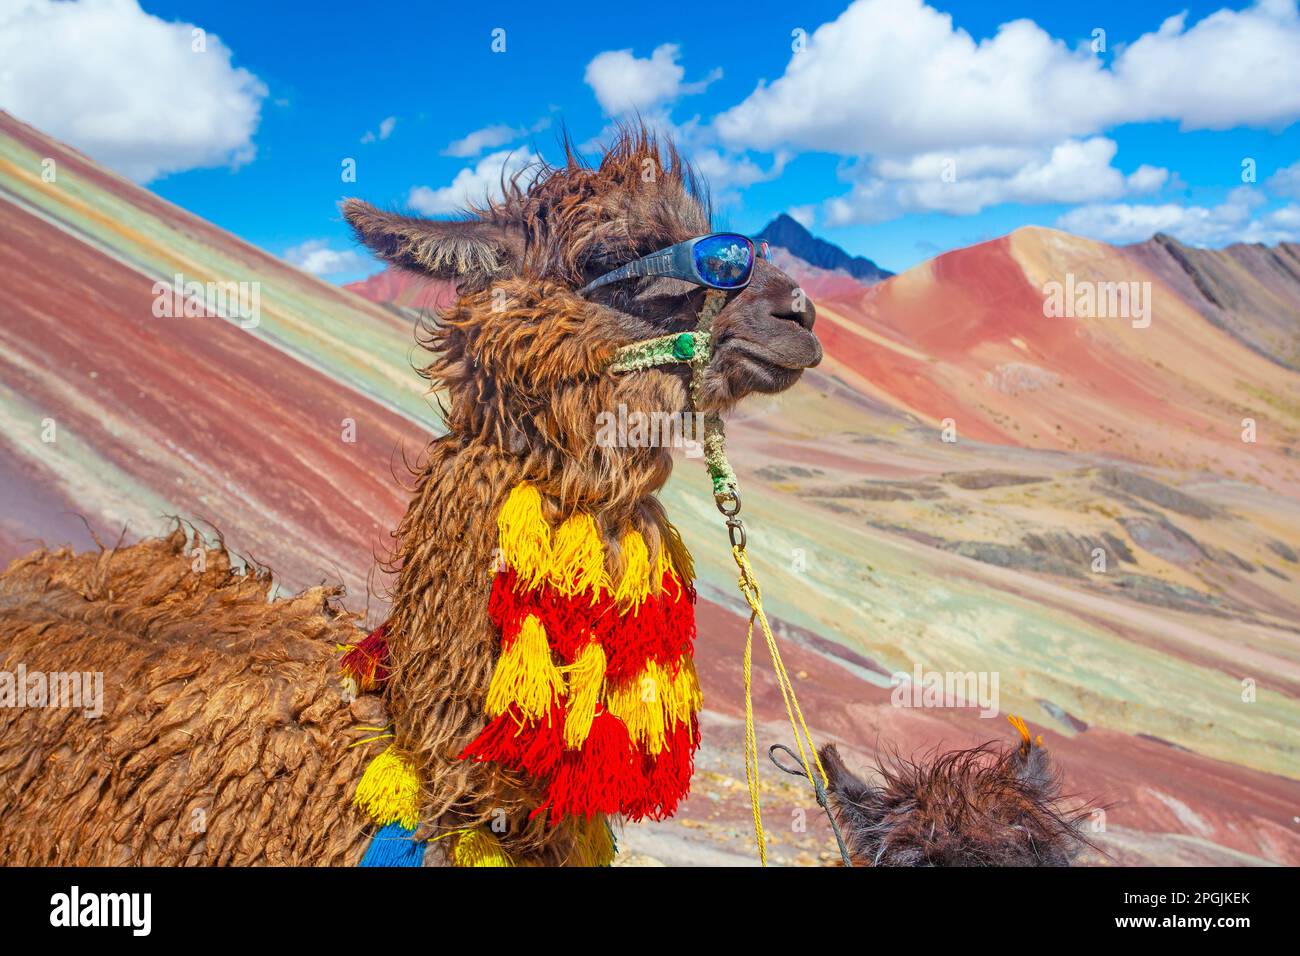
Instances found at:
x=724 y=261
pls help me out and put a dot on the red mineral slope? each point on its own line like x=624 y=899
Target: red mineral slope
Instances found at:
x=187 y=416
x=114 y=417
x=405 y=290
x=965 y=337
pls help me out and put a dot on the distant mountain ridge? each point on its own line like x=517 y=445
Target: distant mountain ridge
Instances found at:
x=787 y=233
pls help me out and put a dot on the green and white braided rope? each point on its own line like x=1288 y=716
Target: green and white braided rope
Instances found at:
x=694 y=348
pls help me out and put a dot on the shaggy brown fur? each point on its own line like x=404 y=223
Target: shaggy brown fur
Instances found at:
x=224 y=735
x=240 y=710
x=987 y=806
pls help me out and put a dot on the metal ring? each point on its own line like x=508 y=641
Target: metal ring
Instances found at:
x=734 y=525
x=720 y=501
x=771 y=755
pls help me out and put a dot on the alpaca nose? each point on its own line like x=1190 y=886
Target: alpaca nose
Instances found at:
x=799 y=309
x=782 y=297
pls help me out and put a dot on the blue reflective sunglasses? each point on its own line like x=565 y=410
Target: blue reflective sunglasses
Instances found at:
x=720 y=260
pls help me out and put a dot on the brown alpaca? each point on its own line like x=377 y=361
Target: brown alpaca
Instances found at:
x=217 y=705
x=987 y=806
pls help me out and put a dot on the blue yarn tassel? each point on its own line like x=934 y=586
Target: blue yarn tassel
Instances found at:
x=394 y=845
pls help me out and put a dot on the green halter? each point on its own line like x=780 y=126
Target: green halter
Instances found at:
x=694 y=349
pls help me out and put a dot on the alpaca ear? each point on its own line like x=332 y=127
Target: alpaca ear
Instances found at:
x=841 y=781
x=856 y=805
x=470 y=252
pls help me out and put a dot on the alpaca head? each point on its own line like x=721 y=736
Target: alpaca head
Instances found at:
x=987 y=806
x=521 y=339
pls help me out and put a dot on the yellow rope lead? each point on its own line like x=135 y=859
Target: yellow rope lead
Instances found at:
x=749 y=588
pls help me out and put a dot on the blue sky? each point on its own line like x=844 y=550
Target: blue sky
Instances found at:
x=892 y=130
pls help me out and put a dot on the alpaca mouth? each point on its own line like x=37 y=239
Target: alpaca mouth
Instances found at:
x=790 y=349
x=768 y=366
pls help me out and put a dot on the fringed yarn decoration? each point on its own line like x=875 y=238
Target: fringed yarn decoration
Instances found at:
x=638 y=703
x=524 y=535
x=634 y=587
x=578 y=559
x=366 y=662
x=667 y=777
x=595 y=845
x=389 y=791
x=479 y=848
x=525 y=676
x=594 y=694
x=655 y=702
x=673 y=544
x=586 y=678
x=535 y=747
x=394 y=845
x=602 y=777
x=661 y=630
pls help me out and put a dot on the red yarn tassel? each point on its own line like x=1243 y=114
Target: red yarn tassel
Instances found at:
x=638 y=638
x=532 y=746
x=500 y=741
x=667 y=777
x=679 y=620
x=508 y=605
x=599 y=778
x=661 y=630
x=366 y=662
x=541 y=752
x=570 y=621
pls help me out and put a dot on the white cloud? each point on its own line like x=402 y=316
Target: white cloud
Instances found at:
x=1286 y=181
x=897 y=88
x=1236 y=219
x=895 y=77
x=965 y=181
x=803 y=215
x=126 y=87
x=471 y=186
x=625 y=83
x=490 y=137
x=725 y=172
x=316 y=257
x=1146 y=179
x=1233 y=68
x=386 y=127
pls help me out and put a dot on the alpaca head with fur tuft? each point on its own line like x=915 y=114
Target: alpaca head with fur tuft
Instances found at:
x=523 y=355
x=987 y=806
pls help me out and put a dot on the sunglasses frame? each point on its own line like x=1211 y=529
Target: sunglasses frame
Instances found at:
x=676 y=262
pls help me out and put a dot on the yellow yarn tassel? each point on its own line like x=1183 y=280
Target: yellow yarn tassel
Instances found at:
x=389 y=790
x=480 y=848
x=635 y=585
x=594 y=845
x=578 y=558
x=686 y=698
x=586 y=677
x=654 y=702
x=525 y=675
x=683 y=569
x=523 y=534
